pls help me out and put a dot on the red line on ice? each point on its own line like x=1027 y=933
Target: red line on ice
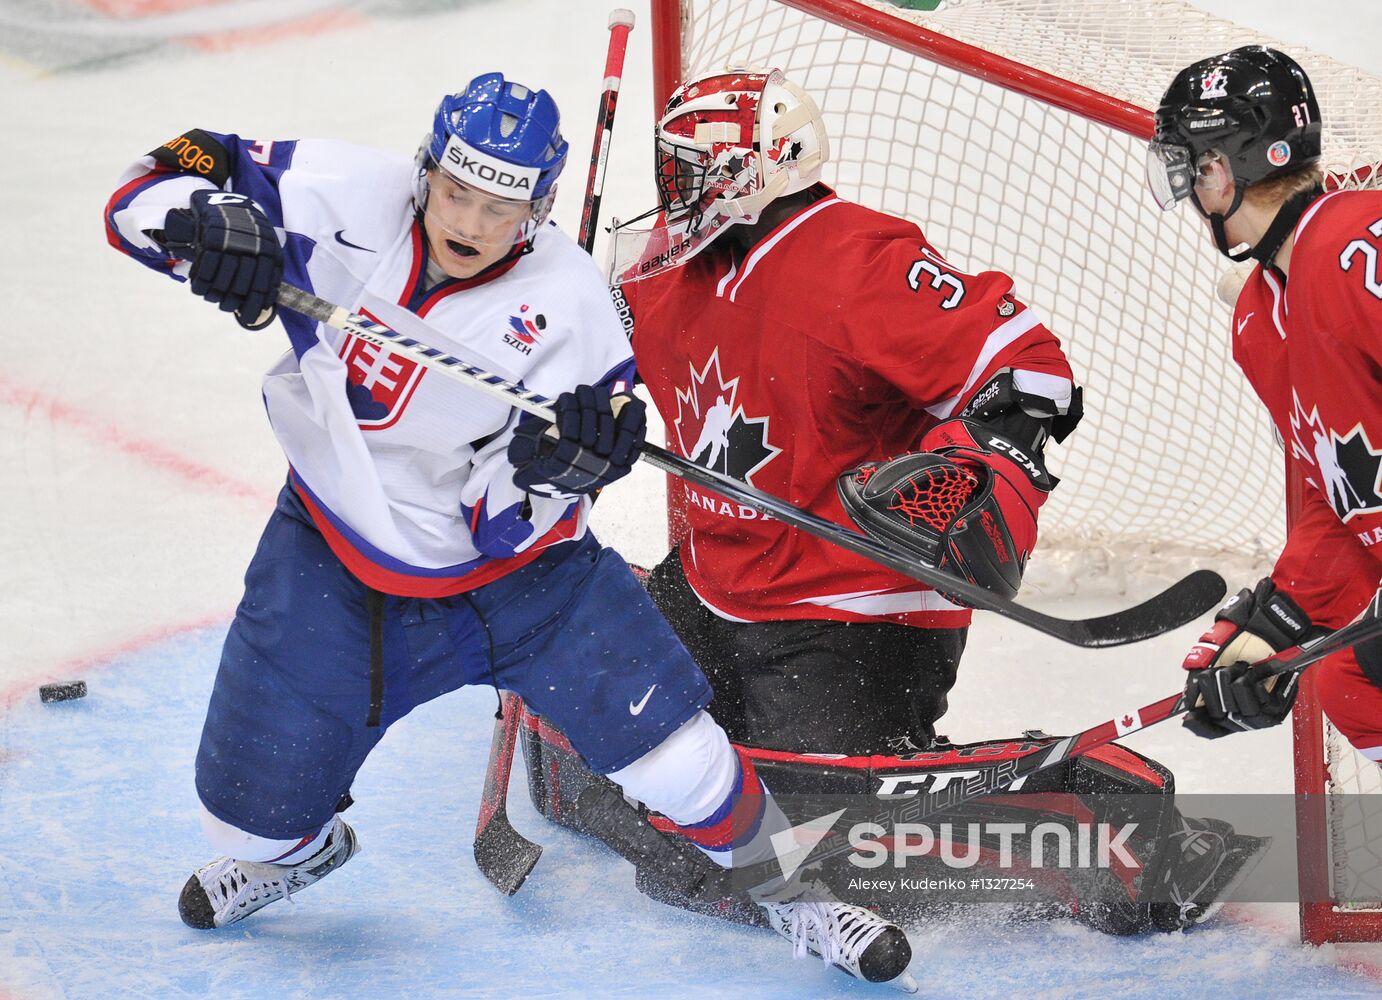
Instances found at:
x=149 y=452
x=77 y=667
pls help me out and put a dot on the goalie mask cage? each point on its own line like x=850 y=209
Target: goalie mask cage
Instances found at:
x=1014 y=132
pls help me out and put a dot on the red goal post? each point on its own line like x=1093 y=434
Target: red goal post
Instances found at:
x=1013 y=132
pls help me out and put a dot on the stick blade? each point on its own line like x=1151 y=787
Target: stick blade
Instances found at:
x=1177 y=605
x=505 y=856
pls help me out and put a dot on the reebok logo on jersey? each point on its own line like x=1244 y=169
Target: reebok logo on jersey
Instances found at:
x=621 y=306
x=1345 y=468
x=711 y=427
x=525 y=331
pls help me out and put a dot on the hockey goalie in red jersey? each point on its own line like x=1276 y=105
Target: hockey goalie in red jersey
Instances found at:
x=1239 y=136
x=797 y=337
x=831 y=355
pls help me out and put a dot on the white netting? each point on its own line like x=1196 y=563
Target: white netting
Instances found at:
x=1175 y=455
x=1355 y=825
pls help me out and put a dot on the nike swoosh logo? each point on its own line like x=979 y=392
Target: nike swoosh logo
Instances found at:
x=340 y=238
x=637 y=708
x=1244 y=321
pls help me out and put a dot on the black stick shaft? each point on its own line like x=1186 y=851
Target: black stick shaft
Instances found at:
x=620 y=24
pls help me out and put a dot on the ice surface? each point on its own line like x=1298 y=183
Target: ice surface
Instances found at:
x=139 y=469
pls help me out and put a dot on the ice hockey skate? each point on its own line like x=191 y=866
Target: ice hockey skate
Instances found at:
x=225 y=891
x=1209 y=860
x=852 y=939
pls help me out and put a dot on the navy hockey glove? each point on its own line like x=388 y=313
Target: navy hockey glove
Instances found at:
x=592 y=449
x=1238 y=697
x=1225 y=691
x=237 y=261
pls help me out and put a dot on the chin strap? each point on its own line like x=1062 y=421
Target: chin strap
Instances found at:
x=1217 y=220
x=1284 y=224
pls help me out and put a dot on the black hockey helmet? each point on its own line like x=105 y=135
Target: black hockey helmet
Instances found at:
x=1255 y=106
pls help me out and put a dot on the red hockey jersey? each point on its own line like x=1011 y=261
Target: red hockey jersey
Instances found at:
x=1312 y=349
x=842 y=337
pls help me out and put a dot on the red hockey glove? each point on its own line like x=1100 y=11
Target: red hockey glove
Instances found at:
x=1237 y=697
x=1225 y=693
x=967 y=503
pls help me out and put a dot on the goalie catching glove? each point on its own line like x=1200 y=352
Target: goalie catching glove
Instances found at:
x=1227 y=690
x=596 y=440
x=967 y=502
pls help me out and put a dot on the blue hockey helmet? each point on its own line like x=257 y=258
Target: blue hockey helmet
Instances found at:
x=499 y=137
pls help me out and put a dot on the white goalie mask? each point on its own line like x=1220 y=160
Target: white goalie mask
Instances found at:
x=728 y=144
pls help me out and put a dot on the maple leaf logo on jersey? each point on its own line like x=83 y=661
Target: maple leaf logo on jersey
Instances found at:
x=712 y=430
x=1348 y=470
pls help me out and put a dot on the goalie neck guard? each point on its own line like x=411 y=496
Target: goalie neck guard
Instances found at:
x=728 y=144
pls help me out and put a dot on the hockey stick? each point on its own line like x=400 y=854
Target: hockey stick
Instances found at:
x=1182 y=602
x=503 y=855
x=605 y=813
x=620 y=24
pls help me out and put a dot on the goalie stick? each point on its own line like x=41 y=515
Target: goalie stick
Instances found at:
x=1182 y=602
x=503 y=855
x=606 y=813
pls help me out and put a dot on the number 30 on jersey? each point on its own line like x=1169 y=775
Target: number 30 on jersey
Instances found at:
x=941 y=281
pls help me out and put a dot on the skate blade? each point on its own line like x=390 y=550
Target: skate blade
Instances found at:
x=1246 y=853
x=905 y=983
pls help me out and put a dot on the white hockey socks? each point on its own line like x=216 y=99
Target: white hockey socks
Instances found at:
x=706 y=793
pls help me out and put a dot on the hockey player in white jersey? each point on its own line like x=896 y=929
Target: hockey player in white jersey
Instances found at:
x=427 y=538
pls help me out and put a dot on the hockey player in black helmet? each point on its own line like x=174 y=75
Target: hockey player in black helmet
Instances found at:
x=1239 y=136
x=1227 y=123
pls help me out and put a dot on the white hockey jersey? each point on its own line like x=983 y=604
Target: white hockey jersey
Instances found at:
x=403 y=470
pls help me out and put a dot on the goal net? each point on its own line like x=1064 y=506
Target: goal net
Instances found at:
x=1014 y=133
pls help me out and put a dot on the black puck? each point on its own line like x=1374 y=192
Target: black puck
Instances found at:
x=62 y=691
